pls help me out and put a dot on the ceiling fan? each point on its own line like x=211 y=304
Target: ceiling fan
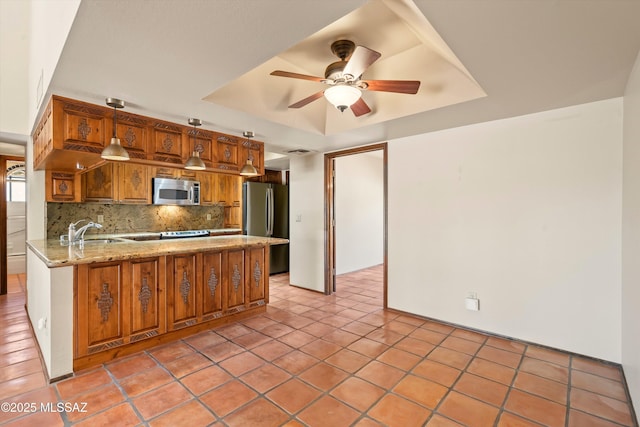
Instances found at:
x=345 y=82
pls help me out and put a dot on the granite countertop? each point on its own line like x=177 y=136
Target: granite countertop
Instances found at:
x=55 y=254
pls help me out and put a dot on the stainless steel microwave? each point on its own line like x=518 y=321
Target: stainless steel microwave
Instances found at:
x=168 y=191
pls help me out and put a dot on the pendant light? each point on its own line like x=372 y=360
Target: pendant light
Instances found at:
x=248 y=169
x=115 y=151
x=194 y=162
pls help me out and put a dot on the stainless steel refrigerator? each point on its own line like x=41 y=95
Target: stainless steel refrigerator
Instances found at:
x=266 y=213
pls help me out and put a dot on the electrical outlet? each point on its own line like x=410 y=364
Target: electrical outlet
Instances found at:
x=208 y=217
x=100 y=219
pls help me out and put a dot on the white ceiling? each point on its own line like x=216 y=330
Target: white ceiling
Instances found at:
x=164 y=57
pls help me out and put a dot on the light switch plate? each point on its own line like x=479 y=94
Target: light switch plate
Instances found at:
x=472 y=304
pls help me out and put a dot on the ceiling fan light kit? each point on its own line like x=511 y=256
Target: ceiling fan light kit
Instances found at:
x=342 y=96
x=345 y=79
x=115 y=151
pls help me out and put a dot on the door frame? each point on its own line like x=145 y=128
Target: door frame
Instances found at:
x=3 y=220
x=329 y=217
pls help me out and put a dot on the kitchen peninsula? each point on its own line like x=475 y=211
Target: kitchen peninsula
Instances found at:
x=93 y=302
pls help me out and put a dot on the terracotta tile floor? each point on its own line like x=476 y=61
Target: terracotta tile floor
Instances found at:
x=319 y=360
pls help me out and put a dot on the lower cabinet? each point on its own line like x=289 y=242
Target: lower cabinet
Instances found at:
x=129 y=302
x=118 y=303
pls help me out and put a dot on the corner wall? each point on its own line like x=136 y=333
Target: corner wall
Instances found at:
x=306 y=235
x=631 y=235
x=526 y=212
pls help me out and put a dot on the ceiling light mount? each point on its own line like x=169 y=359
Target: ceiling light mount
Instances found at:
x=115 y=151
x=195 y=162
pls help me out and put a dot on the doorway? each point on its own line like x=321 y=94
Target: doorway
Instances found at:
x=12 y=218
x=332 y=181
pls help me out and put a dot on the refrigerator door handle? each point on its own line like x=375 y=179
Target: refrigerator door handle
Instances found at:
x=266 y=212
x=271 y=212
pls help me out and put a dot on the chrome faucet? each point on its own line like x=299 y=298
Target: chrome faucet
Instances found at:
x=77 y=236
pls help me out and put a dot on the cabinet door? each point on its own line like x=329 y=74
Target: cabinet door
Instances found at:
x=235 y=280
x=145 y=296
x=254 y=151
x=206 y=188
x=132 y=131
x=99 y=308
x=133 y=183
x=257 y=274
x=183 y=291
x=203 y=144
x=83 y=127
x=98 y=184
x=226 y=158
x=167 y=143
x=62 y=187
x=212 y=290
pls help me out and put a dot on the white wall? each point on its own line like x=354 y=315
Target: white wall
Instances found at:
x=359 y=211
x=306 y=203
x=50 y=23
x=631 y=235
x=527 y=213
x=14 y=50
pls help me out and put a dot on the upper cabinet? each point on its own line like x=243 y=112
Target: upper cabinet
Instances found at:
x=227 y=153
x=167 y=143
x=71 y=135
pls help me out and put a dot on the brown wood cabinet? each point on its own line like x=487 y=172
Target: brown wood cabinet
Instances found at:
x=256 y=258
x=118 y=303
x=167 y=143
x=145 y=297
x=62 y=187
x=254 y=151
x=100 y=317
x=117 y=182
x=126 y=306
x=71 y=135
x=235 y=281
x=227 y=158
x=182 y=298
x=212 y=285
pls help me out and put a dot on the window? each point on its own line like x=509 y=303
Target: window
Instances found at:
x=16 y=182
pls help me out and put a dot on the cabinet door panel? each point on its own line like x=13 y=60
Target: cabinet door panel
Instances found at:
x=256 y=274
x=183 y=291
x=99 y=308
x=134 y=183
x=83 y=132
x=235 y=279
x=212 y=280
x=146 y=298
x=167 y=143
x=99 y=184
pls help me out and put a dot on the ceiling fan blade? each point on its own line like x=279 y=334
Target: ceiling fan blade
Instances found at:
x=307 y=100
x=296 y=76
x=360 y=108
x=360 y=60
x=398 y=86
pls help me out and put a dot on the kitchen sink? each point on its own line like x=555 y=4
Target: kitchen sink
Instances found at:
x=96 y=241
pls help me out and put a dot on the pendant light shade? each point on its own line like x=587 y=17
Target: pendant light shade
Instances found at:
x=342 y=96
x=195 y=162
x=115 y=151
x=248 y=169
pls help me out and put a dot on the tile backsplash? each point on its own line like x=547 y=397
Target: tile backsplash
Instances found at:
x=119 y=219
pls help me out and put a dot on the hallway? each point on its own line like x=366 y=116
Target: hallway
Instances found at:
x=318 y=360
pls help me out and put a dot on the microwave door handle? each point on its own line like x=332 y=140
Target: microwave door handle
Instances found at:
x=190 y=195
